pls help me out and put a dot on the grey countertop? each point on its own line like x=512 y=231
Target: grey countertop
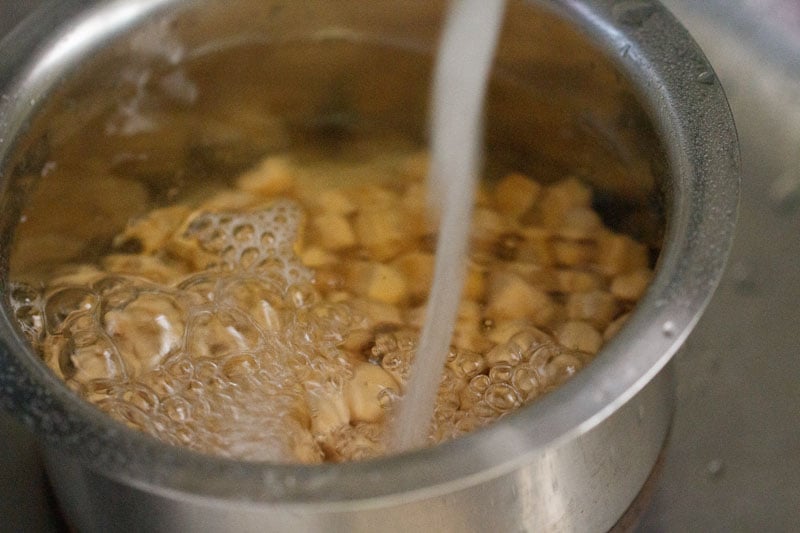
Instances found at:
x=733 y=458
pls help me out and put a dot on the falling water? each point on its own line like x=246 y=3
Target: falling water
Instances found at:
x=460 y=81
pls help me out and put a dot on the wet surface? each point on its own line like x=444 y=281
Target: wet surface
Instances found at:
x=733 y=458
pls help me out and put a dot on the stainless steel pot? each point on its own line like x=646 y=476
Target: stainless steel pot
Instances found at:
x=615 y=92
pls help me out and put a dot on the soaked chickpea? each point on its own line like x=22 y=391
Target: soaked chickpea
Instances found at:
x=275 y=321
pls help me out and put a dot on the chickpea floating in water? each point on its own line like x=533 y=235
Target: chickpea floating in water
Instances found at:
x=276 y=321
x=366 y=392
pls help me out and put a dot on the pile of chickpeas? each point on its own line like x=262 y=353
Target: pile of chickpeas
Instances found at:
x=547 y=284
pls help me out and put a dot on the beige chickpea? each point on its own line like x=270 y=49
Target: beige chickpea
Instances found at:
x=573 y=280
x=374 y=312
x=329 y=411
x=573 y=253
x=563 y=366
x=580 y=223
x=515 y=194
x=75 y=275
x=578 y=335
x=558 y=199
x=272 y=176
x=304 y=448
x=631 y=286
x=415 y=203
x=153 y=230
x=536 y=247
x=475 y=282
x=510 y=297
x=334 y=201
x=378 y=282
x=467 y=334
x=487 y=227
x=334 y=231
x=316 y=257
x=618 y=254
x=504 y=330
x=597 y=307
x=416 y=166
x=384 y=232
x=372 y=196
x=366 y=390
x=417 y=267
x=539 y=276
x=146 y=266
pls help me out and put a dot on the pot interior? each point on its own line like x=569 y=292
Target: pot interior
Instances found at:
x=173 y=101
x=187 y=98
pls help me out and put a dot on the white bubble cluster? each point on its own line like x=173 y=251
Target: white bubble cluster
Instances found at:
x=254 y=241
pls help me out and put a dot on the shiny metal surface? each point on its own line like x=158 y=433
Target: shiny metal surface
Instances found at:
x=564 y=488
x=547 y=467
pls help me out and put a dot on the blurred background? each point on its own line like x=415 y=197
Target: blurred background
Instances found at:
x=732 y=462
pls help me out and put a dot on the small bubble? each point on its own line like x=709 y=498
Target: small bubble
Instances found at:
x=706 y=77
x=387 y=398
x=229 y=254
x=485 y=411
x=525 y=380
x=669 y=329
x=452 y=353
x=23 y=294
x=248 y=258
x=502 y=397
x=48 y=167
x=63 y=303
x=501 y=373
x=392 y=362
x=714 y=468
x=302 y=295
x=468 y=364
x=743 y=276
x=141 y=397
x=177 y=408
x=563 y=366
x=480 y=383
x=267 y=239
x=244 y=233
x=271 y=264
x=239 y=365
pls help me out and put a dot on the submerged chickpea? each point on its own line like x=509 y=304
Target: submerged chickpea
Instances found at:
x=366 y=392
x=274 y=321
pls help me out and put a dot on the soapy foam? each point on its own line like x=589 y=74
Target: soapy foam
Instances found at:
x=225 y=362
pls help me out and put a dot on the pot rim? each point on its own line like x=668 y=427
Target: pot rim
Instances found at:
x=690 y=112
